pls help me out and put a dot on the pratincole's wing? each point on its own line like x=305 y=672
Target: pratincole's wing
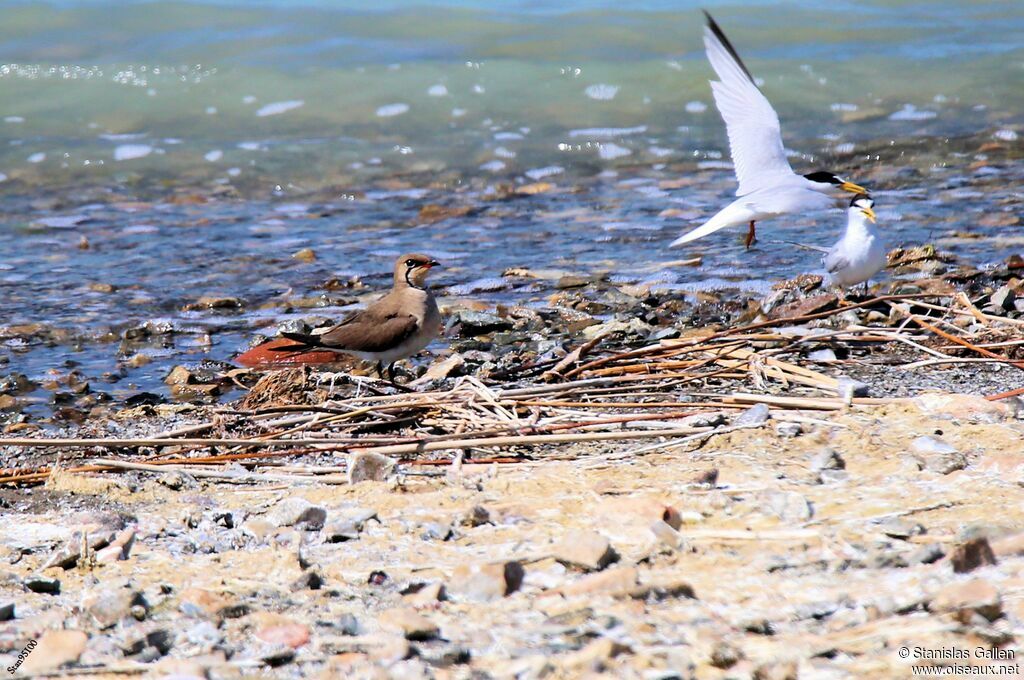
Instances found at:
x=371 y=331
x=755 y=137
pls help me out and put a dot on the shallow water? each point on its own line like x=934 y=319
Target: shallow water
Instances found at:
x=196 y=147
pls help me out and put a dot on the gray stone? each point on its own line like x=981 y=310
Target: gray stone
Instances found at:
x=585 y=550
x=755 y=415
x=1003 y=299
x=367 y=466
x=789 y=506
x=822 y=355
x=6 y=611
x=41 y=584
x=827 y=459
x=299 y=512
x=935 y=455
x=789 y=430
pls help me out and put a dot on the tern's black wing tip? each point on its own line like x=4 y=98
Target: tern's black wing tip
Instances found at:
x=720 y=34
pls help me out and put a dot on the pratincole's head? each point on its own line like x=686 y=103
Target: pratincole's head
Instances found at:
x=413 y=268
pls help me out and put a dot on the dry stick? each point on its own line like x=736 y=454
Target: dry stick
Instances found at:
x=734 y=331
x=960 y=341
x=532 y=440
x=1006 y=395
x=210 y=474
x=572 y=357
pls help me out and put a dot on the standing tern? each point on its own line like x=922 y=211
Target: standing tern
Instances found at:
x=860 y=253
x=768 y=187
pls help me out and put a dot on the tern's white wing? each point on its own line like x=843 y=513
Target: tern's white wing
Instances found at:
x=835 y=261
x=755 y=137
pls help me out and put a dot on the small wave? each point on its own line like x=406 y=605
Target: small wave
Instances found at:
x=277 y=108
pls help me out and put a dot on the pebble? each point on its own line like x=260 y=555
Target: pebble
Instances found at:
x=367 y=466
x=54 y=649
x=789 y=430
x=753 y=416
x=42 y=584
x=585 y=550
x=119 y=549
x=6 y=611
x=286 y=633
x=961 y=407
x=827 y=459
x=936 y=455
x=412 y=625
x=971 y=555
x=789 y=506
x=110 y=606
x=1003 y=299
x=482 y=582
x=967 y=598
x=616 y=582
x=297 y=512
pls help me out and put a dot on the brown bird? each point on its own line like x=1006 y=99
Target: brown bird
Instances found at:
x=397 y=326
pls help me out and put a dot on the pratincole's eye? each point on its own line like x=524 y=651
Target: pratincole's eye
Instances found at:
x=410 y=263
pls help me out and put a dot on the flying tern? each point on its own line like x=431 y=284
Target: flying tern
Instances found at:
x=768 y=187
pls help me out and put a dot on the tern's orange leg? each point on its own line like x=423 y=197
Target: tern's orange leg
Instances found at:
x=751 y=237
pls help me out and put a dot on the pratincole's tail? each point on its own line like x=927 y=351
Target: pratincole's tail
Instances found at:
x=305 y=343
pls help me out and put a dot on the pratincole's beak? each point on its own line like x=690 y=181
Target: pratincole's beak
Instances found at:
x=869 y=213
x=432 y=264
x=853 y=188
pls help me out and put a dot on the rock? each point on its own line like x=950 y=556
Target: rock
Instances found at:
x=822 y=355
x=284 y=633
x=776 y=670
x=713 y=419
x=595 y=655
x=827 y=459
x=725 y=655
x=1003 y=298
x=68 y=555
x=55 y=649
x=1009 y=546
x=179 y=375
x=212 y=302
x=309 y=580
x=305 y=255
x=366 y=466
x=150 y=646
x=789 y=506
x=6 y=611
x=935 y=455
x=707 y=478
x=927 y=554
x=424 y=594
x=297 y=512
x=788 y=430
x=42 y=584
x=585 y=550
x=111 y=606
x=620 y=581
x=475 y=516
x=258 y=528
x=753 y=416
x=848 y=388
x=972 y=554
x=204 y=603
x=473 y=324
x=413 y=626
x=900 y=528
x=970 y=597
x=119 y=549
x=482 y=582
x=961 y=406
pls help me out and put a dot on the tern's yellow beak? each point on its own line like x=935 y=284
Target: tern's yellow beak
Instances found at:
x=869 y=213
x=853 y=188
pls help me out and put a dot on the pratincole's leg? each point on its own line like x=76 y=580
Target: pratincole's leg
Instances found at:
x=391 y=371
x=751 y=237
x=866 y=287
x=380 y=370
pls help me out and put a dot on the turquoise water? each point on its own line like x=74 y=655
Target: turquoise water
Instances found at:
x=154 y=153
x=326 y=93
